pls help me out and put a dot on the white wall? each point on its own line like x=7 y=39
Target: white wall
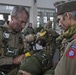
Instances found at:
x=16 y=2
x=40 y=3
x=46 y=3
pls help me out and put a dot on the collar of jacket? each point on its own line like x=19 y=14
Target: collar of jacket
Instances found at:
x=70 y=32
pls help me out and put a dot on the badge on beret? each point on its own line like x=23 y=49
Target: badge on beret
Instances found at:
x=56 y=10
x=71 y=53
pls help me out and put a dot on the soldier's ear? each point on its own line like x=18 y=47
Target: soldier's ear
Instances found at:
x=68 y=15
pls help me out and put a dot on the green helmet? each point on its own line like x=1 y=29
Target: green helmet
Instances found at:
x=36 y=64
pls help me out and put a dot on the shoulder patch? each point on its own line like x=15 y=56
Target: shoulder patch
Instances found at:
x=71 y=53
x=74 y=37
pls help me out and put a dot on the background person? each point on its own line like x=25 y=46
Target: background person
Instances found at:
x=29 y=30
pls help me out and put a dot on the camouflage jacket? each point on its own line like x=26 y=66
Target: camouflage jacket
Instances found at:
x=11 y=44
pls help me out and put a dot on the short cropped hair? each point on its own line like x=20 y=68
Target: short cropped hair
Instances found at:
x=73 y=14
x=18 y=9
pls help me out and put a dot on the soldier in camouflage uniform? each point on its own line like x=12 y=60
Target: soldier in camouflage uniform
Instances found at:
x=50 y=37
x=11 y=41
x=29 y=30
x=38 y=28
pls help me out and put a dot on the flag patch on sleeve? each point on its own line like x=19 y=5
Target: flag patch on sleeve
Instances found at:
x=71 y=53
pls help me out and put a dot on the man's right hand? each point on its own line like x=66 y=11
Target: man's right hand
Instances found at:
x=18 y=59
x=24 y=72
